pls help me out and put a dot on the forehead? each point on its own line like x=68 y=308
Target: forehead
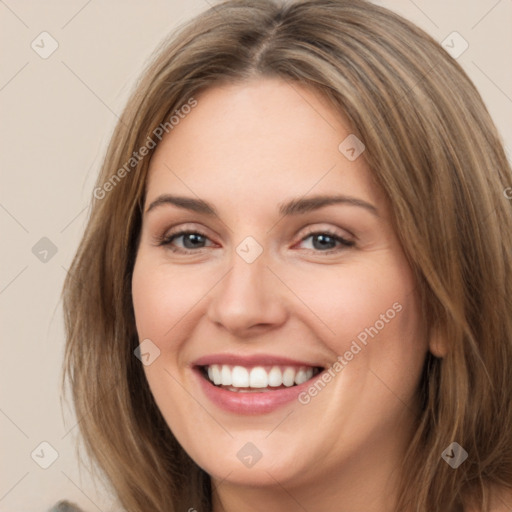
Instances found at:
x=259 y=141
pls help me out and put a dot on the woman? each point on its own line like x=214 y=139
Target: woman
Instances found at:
x=292 y=289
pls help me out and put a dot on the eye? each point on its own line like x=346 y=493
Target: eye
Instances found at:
x=325 y=241
x=190 y=240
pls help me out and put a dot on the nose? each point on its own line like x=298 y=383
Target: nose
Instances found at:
x=249 y=300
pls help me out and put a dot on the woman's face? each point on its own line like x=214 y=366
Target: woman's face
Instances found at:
x=291 y=265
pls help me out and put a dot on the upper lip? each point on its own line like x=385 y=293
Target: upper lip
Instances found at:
x=252 y=360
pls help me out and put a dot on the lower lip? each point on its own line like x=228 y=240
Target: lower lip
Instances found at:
x=251 y=402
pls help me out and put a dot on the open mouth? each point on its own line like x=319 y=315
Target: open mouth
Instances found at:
x=257 y=379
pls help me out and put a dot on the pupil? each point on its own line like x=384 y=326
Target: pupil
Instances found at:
x=194 y=238
x=323 y=239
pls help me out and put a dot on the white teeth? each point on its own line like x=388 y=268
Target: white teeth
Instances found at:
x=259 y=377
x=240 y=377
x=217 y=378
x=275 y=377
x=226 y=376
x=303 y=375
x=289 y=377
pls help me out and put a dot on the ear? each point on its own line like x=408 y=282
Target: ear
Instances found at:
x=437 y=343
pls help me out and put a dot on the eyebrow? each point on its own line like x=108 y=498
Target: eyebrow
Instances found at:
x=293 y=207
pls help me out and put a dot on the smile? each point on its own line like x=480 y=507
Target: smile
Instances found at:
x=258 y=378
x=253 y=384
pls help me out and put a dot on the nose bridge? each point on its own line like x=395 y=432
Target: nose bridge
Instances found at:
x=249 y=295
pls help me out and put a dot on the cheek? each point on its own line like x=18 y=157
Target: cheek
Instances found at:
x=348 y=300
x=383 y=320
x=163 y=301
x=370 y=317
x=164 y=298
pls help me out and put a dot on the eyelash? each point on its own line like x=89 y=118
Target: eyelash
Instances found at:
x=168 y=239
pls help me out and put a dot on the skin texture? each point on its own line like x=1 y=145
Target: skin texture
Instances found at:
x=245 y=149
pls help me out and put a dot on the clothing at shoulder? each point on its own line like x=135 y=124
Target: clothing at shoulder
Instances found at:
x=65 y=506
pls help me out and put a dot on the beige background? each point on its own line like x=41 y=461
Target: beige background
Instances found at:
x=57 y=116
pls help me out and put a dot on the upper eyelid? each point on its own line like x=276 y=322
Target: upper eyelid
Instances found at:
x=181 y=229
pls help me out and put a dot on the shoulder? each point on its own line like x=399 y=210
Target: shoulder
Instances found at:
x=65 y=506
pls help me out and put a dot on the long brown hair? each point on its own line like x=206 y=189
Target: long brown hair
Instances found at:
x=432 y=147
